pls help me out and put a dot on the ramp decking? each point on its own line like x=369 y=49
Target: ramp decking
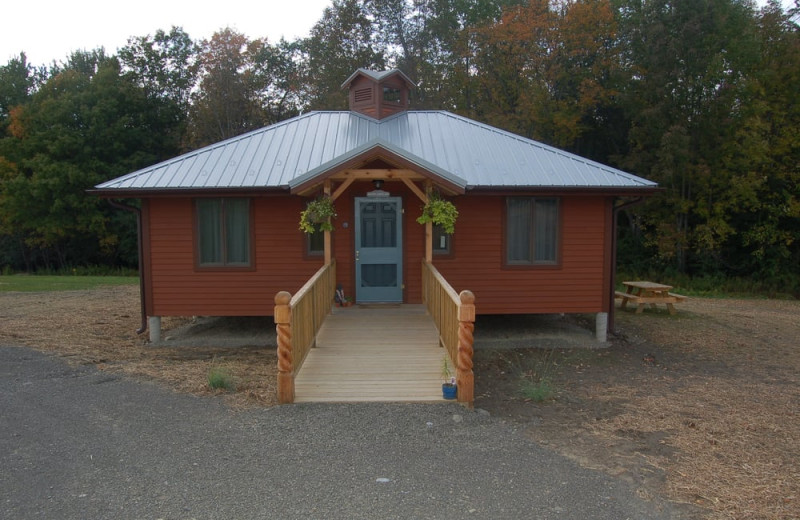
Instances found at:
x=373 y=353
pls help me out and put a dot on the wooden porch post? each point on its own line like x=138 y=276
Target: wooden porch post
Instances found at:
x=327 y=234
x=283 y=328
x=466 y=325
x=428 y=228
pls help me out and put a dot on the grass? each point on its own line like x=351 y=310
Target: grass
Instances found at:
x=220 y=378
x=537 y=391
x=717 y=286
x=46 y=283
x=536 y=373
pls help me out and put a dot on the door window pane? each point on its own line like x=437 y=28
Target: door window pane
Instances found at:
x=379 y=275
x=379 y=225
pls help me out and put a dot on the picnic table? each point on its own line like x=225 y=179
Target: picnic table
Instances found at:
x=641 y=293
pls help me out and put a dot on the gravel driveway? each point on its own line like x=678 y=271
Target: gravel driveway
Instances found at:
x=79 y=443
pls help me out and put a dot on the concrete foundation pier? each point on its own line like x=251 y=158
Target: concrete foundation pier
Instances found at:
x=601 y=327
x=154 y=324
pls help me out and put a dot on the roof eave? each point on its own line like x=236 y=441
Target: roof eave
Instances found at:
x=366 y=72
x=620 y=191
x=139 y=193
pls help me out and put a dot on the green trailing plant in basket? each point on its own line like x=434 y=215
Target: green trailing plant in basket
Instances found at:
x=440 y=212
x=317 y=215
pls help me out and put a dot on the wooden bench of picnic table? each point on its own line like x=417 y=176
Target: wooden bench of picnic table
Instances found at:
x=642 y=293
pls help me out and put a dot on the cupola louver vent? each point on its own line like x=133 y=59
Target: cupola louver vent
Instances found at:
x=363 y=95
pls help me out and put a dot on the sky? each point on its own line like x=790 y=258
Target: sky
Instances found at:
x=48 y=30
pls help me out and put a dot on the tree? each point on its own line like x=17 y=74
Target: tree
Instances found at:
x=340 y=43
x=222 y=106
x=760 y=203
x=275 y=78
x=163 y=66
x=551 y=72
x=84 y=125
x=687 y=65
x=430 y=40
x=244 y=85
x=17 y=82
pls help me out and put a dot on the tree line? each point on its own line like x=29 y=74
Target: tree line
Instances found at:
x=702 y=96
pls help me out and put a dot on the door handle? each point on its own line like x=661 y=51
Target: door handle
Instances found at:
x=356 y=255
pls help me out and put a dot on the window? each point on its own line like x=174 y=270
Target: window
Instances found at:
x=391 y=95
x=315 y=243
x=223 y=232
x=441 y=241
x=532 y=231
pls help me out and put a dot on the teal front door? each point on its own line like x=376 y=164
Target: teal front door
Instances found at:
x=379 y=250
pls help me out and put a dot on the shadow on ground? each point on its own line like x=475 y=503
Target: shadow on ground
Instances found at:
x=491 y=332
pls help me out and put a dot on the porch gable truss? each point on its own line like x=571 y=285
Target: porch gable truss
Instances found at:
x=359 y=165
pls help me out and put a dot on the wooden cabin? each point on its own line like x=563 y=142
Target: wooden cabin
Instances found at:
x=220 y=234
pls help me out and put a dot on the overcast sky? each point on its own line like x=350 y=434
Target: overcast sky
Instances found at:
x=48 y=30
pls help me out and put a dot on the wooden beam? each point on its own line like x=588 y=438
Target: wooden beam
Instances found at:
x=377 y=173
x=327 y=236
x=413 y=187
x=342 y=187
x=428 y=228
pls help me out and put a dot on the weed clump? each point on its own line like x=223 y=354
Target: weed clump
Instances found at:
x=220 y=378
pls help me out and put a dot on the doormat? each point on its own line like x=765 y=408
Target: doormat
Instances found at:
x=378 y=305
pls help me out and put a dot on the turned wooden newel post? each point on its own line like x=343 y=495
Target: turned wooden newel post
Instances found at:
x=283 y=327
x=466 y=325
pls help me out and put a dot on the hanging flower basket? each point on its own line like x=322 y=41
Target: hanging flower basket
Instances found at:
x=440 y=212
x=317 y=215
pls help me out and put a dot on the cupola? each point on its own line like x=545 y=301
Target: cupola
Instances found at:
x=378 y=94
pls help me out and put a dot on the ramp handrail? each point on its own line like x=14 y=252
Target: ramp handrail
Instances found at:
x=298 y=319
x=454 y=316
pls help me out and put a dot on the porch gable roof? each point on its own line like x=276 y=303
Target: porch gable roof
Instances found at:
x=382 y=148
x=461 y=152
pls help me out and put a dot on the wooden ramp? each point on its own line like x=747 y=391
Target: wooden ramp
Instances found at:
x=373 y=353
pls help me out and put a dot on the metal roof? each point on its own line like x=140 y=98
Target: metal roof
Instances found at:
x=377 y=76
x=463 y=151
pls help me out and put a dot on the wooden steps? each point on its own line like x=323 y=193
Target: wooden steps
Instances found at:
x=373 y=354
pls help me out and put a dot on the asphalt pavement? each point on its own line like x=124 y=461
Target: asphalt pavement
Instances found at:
x=78 y=443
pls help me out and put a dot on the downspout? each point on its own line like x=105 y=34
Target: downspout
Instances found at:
x=615 y=216
x=138 y=212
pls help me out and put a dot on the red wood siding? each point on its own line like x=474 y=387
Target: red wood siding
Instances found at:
x=178 y=288
x=577 y=284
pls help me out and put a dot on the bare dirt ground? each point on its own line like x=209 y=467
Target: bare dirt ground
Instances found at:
x=701 y=408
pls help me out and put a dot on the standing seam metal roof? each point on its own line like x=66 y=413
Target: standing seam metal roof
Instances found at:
x=464 y=151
